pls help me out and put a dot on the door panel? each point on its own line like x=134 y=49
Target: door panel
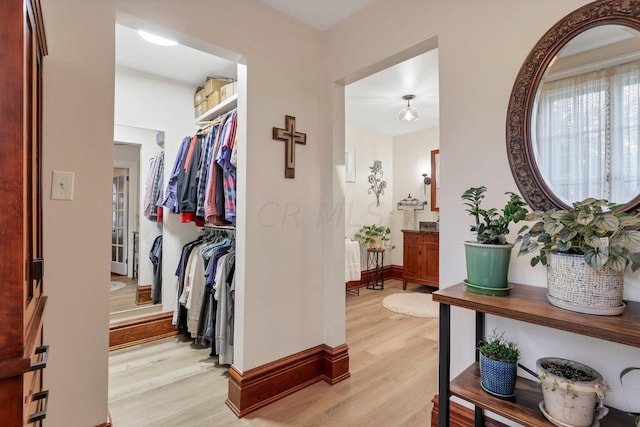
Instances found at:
x=119 y=219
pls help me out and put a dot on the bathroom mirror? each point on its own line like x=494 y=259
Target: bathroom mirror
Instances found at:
x=435 y=179
x=573 y=126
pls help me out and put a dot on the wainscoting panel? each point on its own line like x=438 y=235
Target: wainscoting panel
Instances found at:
x=265 y=384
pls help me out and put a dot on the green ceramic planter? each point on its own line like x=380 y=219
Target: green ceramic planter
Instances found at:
x=487 y=268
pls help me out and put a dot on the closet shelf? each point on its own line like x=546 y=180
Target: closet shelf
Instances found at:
x=225 y=106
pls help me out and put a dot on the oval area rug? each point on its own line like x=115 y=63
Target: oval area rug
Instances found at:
x=412 y=304
x=117 y=285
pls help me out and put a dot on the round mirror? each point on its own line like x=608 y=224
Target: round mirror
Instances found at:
x=573 y=125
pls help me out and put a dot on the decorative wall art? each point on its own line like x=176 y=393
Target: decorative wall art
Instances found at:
x=375 y=179
x=291 y=138
x=350 y=163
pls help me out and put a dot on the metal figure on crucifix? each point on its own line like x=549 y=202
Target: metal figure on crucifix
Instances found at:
x=291 y=138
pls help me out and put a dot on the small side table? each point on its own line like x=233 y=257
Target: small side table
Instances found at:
x=375 y=268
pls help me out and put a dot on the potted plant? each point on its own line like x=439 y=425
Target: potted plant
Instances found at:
x=586 y=250
x=573 y=393
x=498 y=365
x=488 y=257
x=624 y=372
x=375 y=236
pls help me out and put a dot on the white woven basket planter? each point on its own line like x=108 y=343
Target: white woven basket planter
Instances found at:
x=573 y=285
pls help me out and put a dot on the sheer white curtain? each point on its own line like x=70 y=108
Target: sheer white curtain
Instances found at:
x=587 y=133
x=625 y=130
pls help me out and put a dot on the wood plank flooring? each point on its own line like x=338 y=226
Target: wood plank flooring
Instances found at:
x=393 y=365
x=122 y=302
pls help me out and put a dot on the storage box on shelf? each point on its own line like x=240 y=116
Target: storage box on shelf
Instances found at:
x=209 y=95
x=199 y=96
x=527 y=304
x=201 y=108
x=228 y=90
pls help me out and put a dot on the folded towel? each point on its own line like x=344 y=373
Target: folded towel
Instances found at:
x=351 y=260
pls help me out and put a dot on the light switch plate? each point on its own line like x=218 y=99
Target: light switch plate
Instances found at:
x=62 y=185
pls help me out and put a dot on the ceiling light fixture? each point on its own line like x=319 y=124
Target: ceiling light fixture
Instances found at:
x=408 y=113
x=157 y=40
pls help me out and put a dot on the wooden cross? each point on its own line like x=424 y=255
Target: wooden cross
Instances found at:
x=291 y=137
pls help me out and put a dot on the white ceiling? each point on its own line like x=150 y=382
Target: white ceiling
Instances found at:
x=371 y=103
x=321 y=14
x=180 y=62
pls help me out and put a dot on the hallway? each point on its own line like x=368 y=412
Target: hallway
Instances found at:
x=393 y=365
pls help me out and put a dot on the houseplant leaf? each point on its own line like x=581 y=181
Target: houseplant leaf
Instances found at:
x=595 y=258
x=607 y=222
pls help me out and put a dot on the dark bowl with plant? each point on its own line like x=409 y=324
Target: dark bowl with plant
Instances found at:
x=498 y=365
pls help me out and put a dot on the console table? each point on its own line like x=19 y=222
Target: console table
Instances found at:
x=527 y=304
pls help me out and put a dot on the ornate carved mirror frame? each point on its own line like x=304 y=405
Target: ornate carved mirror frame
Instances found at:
x=519 y=114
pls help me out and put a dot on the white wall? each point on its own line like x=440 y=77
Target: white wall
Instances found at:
x=412 y=158
x=360 y=207
x=287 y=299
x=147 y=102
x=481 y=47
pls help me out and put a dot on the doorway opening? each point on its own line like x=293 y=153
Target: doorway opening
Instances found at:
x=374 y=135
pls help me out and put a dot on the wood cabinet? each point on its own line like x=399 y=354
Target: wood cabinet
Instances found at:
x=420 y=258
x=527 y=304
x=22 y=356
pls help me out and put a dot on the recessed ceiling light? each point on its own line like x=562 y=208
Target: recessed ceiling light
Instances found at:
x=160 y=41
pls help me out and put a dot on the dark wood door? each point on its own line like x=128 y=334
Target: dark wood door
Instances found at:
x=22 y=48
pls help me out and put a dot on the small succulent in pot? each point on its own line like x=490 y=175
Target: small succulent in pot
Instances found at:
x=498 y=365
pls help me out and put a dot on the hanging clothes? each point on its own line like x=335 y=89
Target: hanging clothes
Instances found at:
x=202 y=184
x=171 y=193
x=155 y=255
x=153 y=188
x=204 y=303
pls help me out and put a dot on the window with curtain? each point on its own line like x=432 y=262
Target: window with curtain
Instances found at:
x=587 y=134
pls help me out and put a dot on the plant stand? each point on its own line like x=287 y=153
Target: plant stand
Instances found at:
x=375 y=269
x=527 y=304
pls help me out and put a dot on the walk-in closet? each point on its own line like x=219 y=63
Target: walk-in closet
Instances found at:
x=176 y=120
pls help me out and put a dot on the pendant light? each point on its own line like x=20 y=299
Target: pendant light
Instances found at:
x=408 y=113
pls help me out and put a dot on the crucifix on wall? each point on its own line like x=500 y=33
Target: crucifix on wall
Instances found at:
x=291 y=138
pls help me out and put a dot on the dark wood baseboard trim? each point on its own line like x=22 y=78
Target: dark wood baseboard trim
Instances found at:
x=460 y=416
x=265 y=384
x=353 y=285
x=393 y=272
x=388 y=272
x=143 y=295
x=139 y=331
x=108 y=423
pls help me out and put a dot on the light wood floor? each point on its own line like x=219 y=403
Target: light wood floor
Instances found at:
x=122 y=302
x=393 y=365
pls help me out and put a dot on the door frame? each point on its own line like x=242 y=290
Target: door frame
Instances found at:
x=133 y=207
